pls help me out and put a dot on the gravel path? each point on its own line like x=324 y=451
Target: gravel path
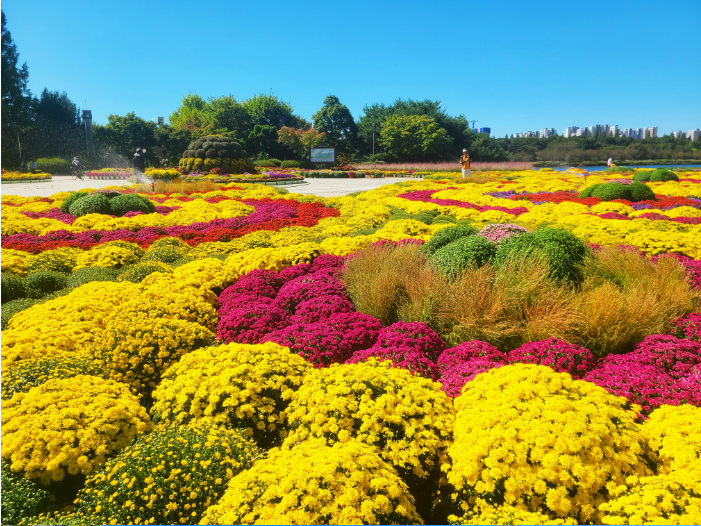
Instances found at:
x=320 y=187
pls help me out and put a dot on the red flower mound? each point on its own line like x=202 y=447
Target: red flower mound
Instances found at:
x=307 y=287
x=411 y=336
x=318 y=343
x=560 y=356
x=360 y=330
x=250 y=323
x=457 y=376
x=412 y=361
x=468 y=351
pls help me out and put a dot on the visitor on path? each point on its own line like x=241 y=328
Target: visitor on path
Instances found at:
x=610 y=162
x=23 y=167
x=77 y=167
x=165 y=163
x=33 y=167
x=139 y=165
x=465 y=161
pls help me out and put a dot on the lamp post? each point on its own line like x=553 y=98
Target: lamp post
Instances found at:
x=373 y=138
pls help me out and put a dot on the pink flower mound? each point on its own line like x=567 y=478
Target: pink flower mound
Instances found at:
x=318 y=343
x=240 y=301
x=307 y=287
x=644 y=385
x=468 y=351
x=249 y=323
x=360 y=330
x=560 y=356
x=412 y=361
x=256 y=278
x=319 y=309
x=327 y=261
x=411 y=336
x=295 y=271
x=457 y=376
x=670 y=355
x=691 y=387
x=495 y=233
x=689 y=327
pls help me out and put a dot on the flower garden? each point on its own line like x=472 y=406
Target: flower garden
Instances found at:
x=523 y=348
x=24 y=177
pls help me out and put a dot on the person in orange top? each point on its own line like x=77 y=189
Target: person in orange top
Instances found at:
x=465 y=161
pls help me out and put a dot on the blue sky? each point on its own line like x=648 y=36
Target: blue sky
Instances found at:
x=513 y=65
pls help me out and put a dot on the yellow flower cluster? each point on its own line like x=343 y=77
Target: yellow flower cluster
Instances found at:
x=137 y=351
x=170 y=476
x=529 y=436
x=69 y=426
x=409 y=419
x=673 y=434
x=238 y=385
x=186 y=303
x=316 y=484
x=16 y=176
x=115 y=254
x=484 y=513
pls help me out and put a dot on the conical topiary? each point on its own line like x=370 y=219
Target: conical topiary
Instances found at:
x=215 y=151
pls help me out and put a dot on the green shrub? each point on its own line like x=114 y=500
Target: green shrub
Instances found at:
x=663 y=175
x=426 y=216
x=589 y=190
x=21 y=498
x=90 y=204
x=136 y=273
x=612 y=191
x=291 y=164
x=66 y=205
x=448 y=235
x=169 y=242
x=282 y=190
x=123 y=203
x=53 y=165
x=13 y=287
x=642 y=177
x=11 y=308
x=641 y=192
x=167 y=254
x=52 y=262
x=22 y=376
x=465 y=252
x=265 y=163
x=563 y=251
x=441 y=220
x=89 y=274
x=46 y=282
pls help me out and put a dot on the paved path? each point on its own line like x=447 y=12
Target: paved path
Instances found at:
x=320 y=187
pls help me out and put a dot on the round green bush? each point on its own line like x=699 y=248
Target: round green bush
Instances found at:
x=66 y=205
x=612 y=191
x=46 y=282
x=169 y=242
x=588 y=191
x=90 y=204
x=52 y=262
x=137 y=272
x=89 y=274
x=123 y=203
x=563 y=251
x=291 y=164
x=448 y=235
x=211 y=153
x=11 y=308
x=167 y=254
x=264 y=163
x=199 y=153
x=442 y=220
x=641 y=192
x=663 y=175
x=468 y=251
x=21 y=498
x=13 y=287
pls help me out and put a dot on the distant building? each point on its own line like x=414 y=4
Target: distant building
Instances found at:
x=484 y=130
x=613 y=131
x=547 y=132
x=651 y=132
x=692 y=135
x=582 y=132
x=678 y=134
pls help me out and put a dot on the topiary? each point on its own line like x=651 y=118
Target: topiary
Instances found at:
x=66 y=204
x=123 y=203
x=448 y=235
x=219 y=152
x=46 y=282
x=13 y=287
x=21 y=498
x=641 y=192
x=558 y=457
x=137 y=486
x=90 y=204
x=457 y=256
x=88 y=274
x=612 y=191
x=563 y=251
x=313 y=483
x=200 y=154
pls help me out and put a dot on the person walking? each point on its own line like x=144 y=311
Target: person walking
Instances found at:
x=610 y=162
x=23 y=167
x=139 y=164
x=465 y=161
x=33 y=167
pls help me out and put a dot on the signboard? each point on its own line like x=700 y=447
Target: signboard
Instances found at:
x=323 y=154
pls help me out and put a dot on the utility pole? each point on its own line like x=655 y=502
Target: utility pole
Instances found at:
x=20 y=148
x=373 y=138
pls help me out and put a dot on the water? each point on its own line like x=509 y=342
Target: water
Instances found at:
x=599 y=168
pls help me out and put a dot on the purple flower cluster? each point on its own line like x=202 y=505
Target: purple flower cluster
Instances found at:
x=496 y=232
x=560 y=356
x=691 y=387
x=306 y=287
x=52 y=213
x=468 y=351
x=455 y=378
x=670 y=355
x=425 y=197
x=321 y=308
x=250 y=322
x=413 y=361
x=689 y=327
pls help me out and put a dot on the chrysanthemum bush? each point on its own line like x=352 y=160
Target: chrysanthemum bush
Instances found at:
x=251 y=320
x=21 y=498
x=454 y=379
x=528 y=436
x=484 y=513
x=247 y=386
x=411 y=360
x=170 y=476
x=560 y=356
x=313 y=483
x=689 y=327
x=673 y=435
x=69 y=426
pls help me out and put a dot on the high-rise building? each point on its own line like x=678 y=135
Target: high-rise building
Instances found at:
x=613 y=130
x=484 y=130
x=692 y=135
x=570 y=131
x=582 y=132
x=639 y=133
x=678 y=134
x=651 y=132
x=547 y=132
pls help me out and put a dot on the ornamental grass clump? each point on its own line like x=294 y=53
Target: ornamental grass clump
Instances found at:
x=529 y=437
x=312 y=483
x=245 y=386
x=560 y=356
x=137 y=353
x=26 y=374
x=170 y=476
x=673 y=435
x=69 y=426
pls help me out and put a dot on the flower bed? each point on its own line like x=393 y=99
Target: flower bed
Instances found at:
x=414 y=353
x=25 y=177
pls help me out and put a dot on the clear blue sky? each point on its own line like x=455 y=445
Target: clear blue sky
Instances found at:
x=513 y=65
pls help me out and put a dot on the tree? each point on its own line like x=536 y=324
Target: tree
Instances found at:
x=172 y=142
x=268 y=110
x=124 y=134
x=335 y=120
x=57 y=107
x=300 y=141
x=263 y=140
x=416 y=136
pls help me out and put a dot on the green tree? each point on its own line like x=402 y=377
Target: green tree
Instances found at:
x=300 y=141
x=416 y=136
x=171 y=142
x=57 y=107
x=335 y=120
x=124 y=134
x=263 y=140
x=269 y=110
